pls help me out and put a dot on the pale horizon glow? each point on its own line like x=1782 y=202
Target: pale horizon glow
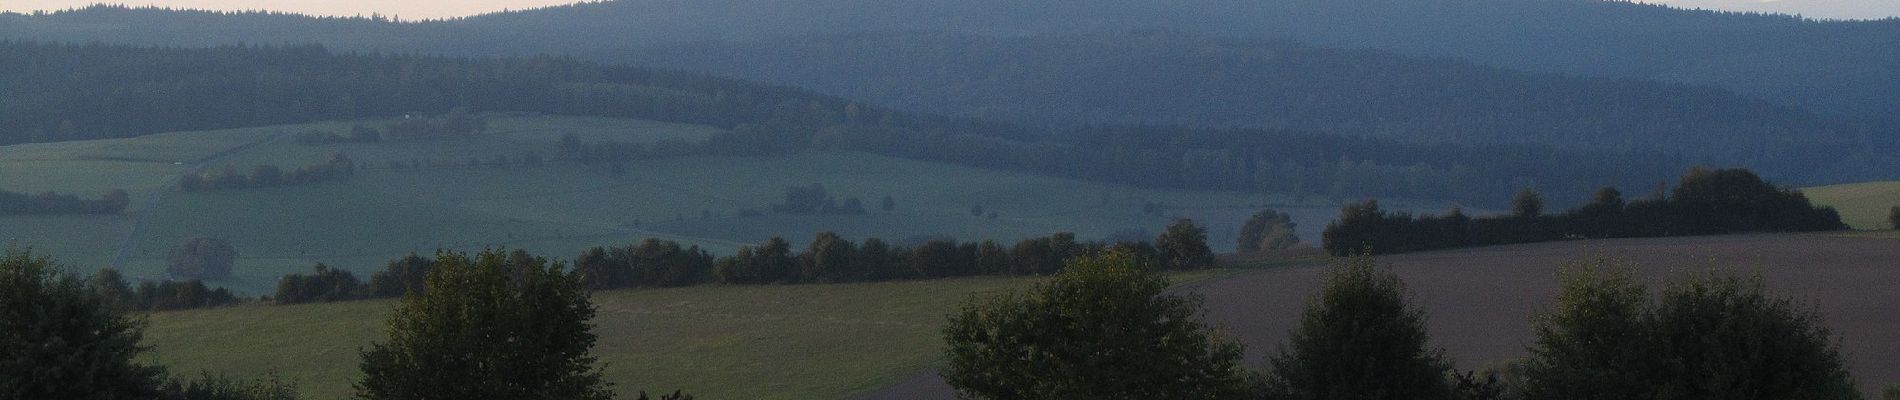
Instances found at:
x=439 y=9
x=406 y=9
x=1818 y=9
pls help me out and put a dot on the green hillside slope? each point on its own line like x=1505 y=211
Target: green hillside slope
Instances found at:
x=1862 y=205
x=556 y=207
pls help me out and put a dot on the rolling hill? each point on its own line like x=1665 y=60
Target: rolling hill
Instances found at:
x=1837 y=68
x=1863 y=205
x=461 y=198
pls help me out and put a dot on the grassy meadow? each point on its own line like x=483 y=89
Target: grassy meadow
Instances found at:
x=555 y=208
x=716 y=342
x=1862 y=205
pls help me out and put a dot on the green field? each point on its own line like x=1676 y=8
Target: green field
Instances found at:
x=1862 y=205
x=717 y=342
x=555 y=208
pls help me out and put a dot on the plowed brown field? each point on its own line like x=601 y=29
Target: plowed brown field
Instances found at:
x=1479 y=301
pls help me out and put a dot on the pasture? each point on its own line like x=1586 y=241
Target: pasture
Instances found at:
x=554 y=208
x=1862 y=205
x=716 y=342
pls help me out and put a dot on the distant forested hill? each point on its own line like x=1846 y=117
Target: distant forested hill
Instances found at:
x=69 y=92
x=1192 y=80
x=1839 y=69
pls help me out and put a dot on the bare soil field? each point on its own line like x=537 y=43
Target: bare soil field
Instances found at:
x=1479 y=301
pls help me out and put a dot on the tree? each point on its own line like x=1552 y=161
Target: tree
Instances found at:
x=1724 y=337
x=1184 y=246
x=400 y=276
x=1360 y=338
x=1267 y=230
x=491 y=326
x=828 y=259
x=59 y=339
x=1104 y=328
x=1528 y=204
x=1707 y=336
x=1592 y=345
x=1893 y=218
x=324 y=284
x=202 y=258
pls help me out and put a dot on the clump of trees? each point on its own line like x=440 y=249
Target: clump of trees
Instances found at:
x=201 y=258
x=493 y=325
x=1104 y=328
x=324 y=284
x=67 y=337
x=813 y=199
x=652 y=263
x=46 y=203
x=337 y=168
x=1704 y=202
x=1704 y=336
x=358 y=134
x=1267 y=230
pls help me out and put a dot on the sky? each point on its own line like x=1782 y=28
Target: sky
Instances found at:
x=407 y=9
x=434 y=9
x=1825 y=9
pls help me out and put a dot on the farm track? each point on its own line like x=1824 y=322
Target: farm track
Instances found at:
x=131 y=243
x=1479 y=301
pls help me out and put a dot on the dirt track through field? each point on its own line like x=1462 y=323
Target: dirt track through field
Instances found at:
x=1479 y=301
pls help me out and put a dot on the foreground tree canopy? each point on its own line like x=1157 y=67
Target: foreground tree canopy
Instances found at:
x=1360 y=338
x=1104 y=328
x=1707 y=336
x=59 y=339
x=496 y=326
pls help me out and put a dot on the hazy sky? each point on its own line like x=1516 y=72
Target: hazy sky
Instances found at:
x=425 y=9
x=407 y=9
x=1835 y=9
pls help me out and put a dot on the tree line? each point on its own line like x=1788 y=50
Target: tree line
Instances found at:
x=1362 y=336
x=47 y=203
x=1704 y=202
x=828 y=259
x=337 y=168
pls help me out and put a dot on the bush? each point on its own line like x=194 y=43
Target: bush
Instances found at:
x=1102 y=329
x=1360 y=338
x=202 y=258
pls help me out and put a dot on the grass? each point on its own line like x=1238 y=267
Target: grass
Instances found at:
x=716 y=342
x=1862 y=205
